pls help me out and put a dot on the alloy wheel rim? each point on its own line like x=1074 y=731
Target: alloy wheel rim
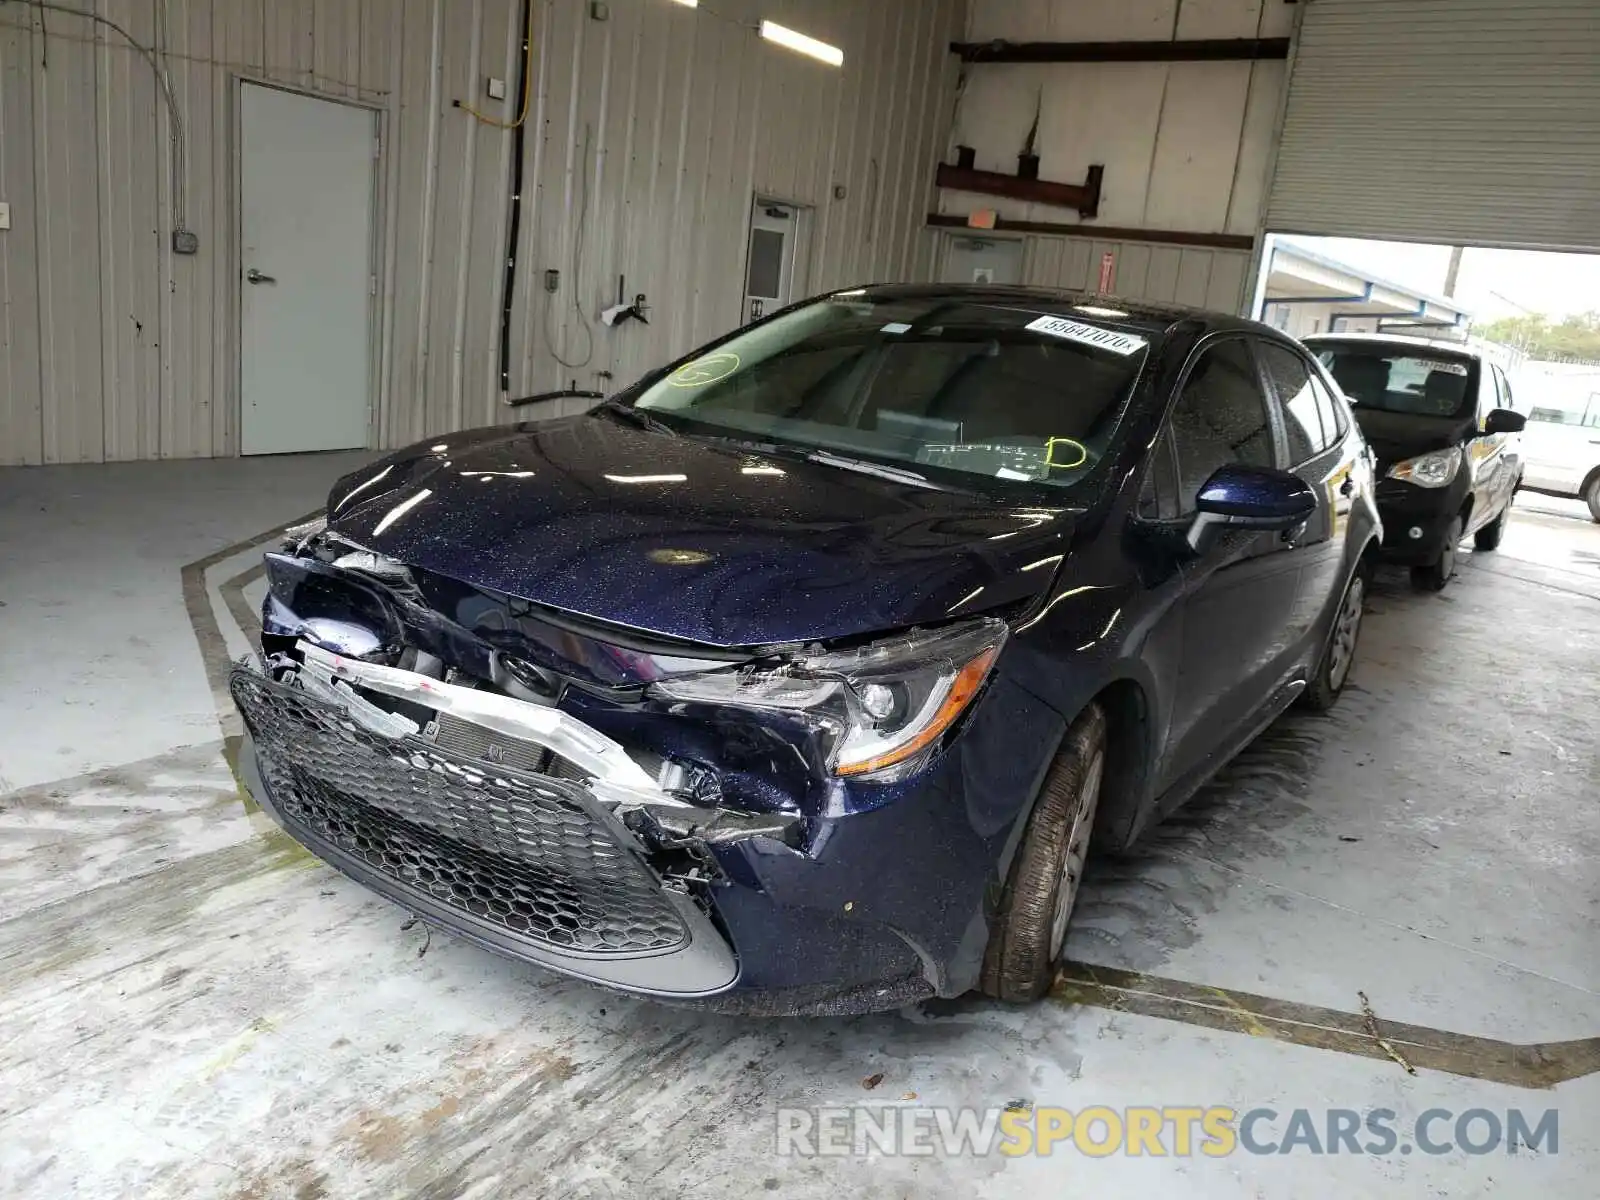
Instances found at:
x=1077 y=852
x=1345 y=631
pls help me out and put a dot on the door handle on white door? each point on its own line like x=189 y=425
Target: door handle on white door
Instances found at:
x=255 y=276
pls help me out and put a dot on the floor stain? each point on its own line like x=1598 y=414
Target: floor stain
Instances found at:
x=1536 y=1065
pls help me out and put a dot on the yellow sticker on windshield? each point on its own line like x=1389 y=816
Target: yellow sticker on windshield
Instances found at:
x=710 y=369
x=1075 y=453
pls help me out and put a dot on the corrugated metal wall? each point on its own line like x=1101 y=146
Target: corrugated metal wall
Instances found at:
x=1193 y=275
x=650 y=132
x=1185 y=145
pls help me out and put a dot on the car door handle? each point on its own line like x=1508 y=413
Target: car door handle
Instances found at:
x=255 y=276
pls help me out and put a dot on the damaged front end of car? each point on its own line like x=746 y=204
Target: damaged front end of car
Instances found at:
x=671 y=819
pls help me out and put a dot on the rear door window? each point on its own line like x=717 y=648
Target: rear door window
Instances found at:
x=1335 y=420
x=1290 y=377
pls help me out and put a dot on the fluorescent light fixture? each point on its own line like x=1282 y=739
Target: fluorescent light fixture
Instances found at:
x=689 y=3
x=802 y=44
x=763 y=470
x=1094 y=310
x=648 y=478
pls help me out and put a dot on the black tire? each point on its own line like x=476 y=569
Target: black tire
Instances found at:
x=1028 y=930
x=1436 y=574
x=1591 y=497
x=1333 y=670
x=1488 y=538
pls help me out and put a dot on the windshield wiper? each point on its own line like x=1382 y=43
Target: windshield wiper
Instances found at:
x=871 y=468
x=635 y=416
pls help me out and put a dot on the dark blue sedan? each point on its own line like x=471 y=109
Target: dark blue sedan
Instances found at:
x=802 y=675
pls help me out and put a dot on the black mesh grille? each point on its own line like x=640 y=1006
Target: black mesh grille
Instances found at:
x=519 y=852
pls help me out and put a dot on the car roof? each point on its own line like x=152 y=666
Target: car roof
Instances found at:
x=1145 y=315
x=1407 y=341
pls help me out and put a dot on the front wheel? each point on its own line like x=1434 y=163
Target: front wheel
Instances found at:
x=1334 y=669
x=1436 y=574
x=1488 y=538
x=1029 y=930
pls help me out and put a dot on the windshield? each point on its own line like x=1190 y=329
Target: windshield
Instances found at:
x=1417 y=383
x=946 y=383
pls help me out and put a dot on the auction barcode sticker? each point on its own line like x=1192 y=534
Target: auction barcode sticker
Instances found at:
x=1089 y=335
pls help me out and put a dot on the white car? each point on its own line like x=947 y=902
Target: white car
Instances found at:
x=1561 y=451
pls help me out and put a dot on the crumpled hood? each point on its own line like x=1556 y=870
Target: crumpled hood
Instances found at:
x=690 y=540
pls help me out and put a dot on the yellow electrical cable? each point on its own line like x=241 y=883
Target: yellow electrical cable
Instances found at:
x=527 y=84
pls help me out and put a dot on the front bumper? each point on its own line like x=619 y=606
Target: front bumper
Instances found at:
x=1404 y=507
x=878 y=906
x=530 y=866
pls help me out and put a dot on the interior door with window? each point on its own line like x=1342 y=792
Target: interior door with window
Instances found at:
x=775 y=267
x=1240 y=595
x=305 y=239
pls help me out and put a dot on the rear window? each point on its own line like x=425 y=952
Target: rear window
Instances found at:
x=1418 y=383
x=950 y=383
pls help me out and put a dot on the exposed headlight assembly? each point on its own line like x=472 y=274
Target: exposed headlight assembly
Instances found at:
x=296 y=536
x=882 y=707
x=1431 y=470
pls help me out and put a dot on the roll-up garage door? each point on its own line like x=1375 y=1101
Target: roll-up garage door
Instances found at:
x=1459 y=121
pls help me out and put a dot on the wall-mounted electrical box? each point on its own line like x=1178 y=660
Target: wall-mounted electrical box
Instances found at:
x=5 y=215
x=496 y=88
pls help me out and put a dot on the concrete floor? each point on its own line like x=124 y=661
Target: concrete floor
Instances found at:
x=192 y=1007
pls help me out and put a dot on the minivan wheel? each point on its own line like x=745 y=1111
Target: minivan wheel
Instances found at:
x=1334 y=669
x=1436 y=574
x=1029 y=930
x=1591 y=497
x=1488 y=538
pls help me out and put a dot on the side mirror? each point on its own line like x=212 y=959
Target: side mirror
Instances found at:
x=1504 y=420
x=1241 y=497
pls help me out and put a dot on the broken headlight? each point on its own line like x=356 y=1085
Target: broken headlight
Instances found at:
x=882 y=707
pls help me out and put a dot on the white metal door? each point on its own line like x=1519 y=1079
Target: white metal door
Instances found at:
x=1456 y=121
x=305 y=237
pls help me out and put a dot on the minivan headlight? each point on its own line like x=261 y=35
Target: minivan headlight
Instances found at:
x=1432 y=470
x=882 y=707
